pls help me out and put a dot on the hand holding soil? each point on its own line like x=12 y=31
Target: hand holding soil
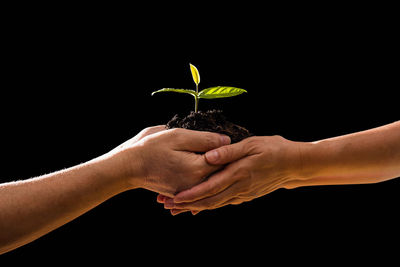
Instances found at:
x=253 y=168
x=164 y=161
x=257 y=166
x=172 y=160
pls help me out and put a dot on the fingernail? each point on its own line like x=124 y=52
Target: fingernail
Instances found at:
x=212 y=156
x=169 y=203
x=225 y=140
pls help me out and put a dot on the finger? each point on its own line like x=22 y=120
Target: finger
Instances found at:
x=200 y=167
x=214 y=185
x=232 y=201
x=230 y=196
x=198 y=141
x=162 y=198
x=169 y=204
x=211 y=202
x=177 y=211
x=226 y=154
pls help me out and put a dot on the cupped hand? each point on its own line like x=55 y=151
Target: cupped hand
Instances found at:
x=255 y=167
x=170 y=161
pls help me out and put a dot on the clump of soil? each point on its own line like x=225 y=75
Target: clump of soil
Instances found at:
x=212 y=121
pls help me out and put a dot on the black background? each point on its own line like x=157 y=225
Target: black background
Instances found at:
x=76 y=85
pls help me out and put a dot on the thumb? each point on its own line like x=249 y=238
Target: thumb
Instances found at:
x=226 y=154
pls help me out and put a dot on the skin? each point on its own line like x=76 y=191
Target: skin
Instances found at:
x=156 y=159
x=257 y=166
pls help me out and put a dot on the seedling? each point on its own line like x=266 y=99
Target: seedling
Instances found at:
x=208 y=93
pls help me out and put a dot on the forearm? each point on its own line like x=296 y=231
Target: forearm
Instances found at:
x=34 y=207
x=364 y=157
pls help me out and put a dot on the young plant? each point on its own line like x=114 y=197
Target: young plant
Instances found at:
x=208 y=93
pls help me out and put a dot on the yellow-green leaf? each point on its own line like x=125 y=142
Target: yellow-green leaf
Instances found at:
x=185 y=91
x=220 y=92
x=195 y=74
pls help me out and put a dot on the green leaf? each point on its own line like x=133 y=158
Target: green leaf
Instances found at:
x=220 y=92
x=185 y=91
x=195 y=74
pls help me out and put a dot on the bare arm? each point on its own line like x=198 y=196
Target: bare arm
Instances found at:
x=34 y=207
x=364 y=157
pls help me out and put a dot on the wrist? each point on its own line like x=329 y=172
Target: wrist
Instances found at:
x=132 y=167
x=308 y=156
x=317 y=162
x=122 y=167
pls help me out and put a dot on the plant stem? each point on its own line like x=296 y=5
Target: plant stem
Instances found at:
x=196 y=99
x=196 y=104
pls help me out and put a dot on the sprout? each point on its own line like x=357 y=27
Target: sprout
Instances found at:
x=208 y=93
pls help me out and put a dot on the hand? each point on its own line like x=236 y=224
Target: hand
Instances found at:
x=256 y=166
x=168 y=161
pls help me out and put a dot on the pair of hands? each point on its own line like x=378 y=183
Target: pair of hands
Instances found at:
x=195 y=171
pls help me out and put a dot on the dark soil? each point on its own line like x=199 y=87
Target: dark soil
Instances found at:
x=212 y=121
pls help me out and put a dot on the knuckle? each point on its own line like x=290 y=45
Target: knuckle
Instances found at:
x=224 y=152
x=175 y=132
x=202 y=204
x=149 y=130
x=210 y=140
x=198 y=173
x=252 y=144
x=176 y=135
x=146 y=130
x=277 y=138
x=213 y=140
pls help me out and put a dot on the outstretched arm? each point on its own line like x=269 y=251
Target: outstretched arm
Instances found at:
x=157 y=160
x=259 y=165
x=369 y=156
x=34 y=207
